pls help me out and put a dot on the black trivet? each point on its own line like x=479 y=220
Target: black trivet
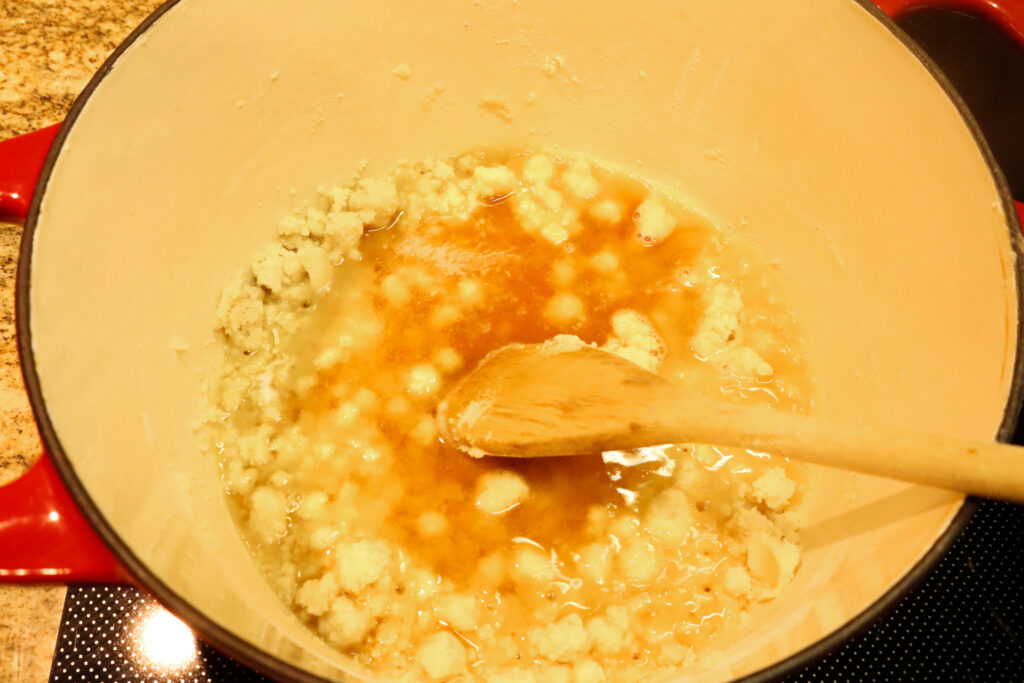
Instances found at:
x=117 y=633
x=964 y=623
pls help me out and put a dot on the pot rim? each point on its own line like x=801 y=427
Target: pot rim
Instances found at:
x=269 y=665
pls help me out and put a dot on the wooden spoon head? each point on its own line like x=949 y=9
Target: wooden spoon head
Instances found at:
x=555 y=398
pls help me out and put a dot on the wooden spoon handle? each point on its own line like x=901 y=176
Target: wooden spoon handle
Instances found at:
x=993 y=470
x=531 y=401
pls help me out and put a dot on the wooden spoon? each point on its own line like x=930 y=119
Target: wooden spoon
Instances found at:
x=542 y=400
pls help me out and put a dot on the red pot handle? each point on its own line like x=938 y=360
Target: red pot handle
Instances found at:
x=1007 y=14
x=21 y=160
x=43 y=535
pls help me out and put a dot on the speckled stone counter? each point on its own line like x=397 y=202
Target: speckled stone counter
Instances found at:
x=48 y=51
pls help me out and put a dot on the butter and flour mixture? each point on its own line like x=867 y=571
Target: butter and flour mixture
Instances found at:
x=425 y=564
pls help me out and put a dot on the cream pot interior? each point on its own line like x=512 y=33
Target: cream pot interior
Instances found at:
x=807 y=126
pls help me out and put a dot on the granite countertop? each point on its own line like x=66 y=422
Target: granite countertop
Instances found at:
x=48 y=51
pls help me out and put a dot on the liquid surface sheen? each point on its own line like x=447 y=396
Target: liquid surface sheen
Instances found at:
x=424 y=563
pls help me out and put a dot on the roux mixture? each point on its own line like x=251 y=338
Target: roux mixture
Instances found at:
x=426 y=564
